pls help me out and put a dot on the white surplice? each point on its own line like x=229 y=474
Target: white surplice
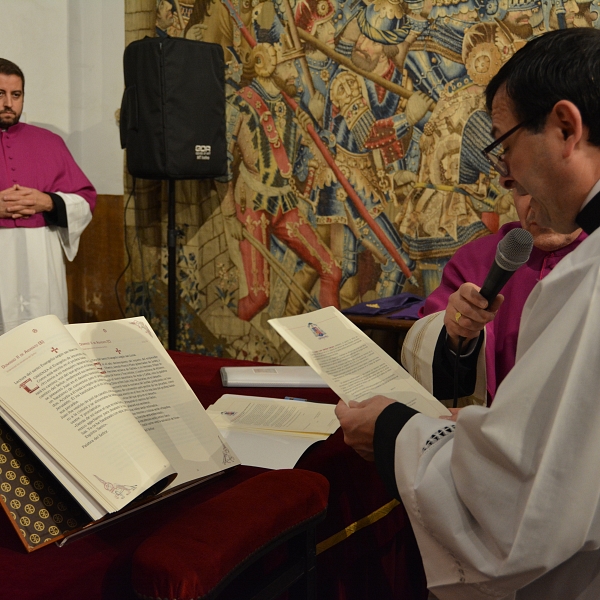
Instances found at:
x=507 y=504
x=33 y=266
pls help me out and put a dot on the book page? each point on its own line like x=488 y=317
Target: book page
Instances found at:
x=268 y=449
x=270 y=432
x=253 y=412
x=354 y=366
x=131 y=357
x=50 y=388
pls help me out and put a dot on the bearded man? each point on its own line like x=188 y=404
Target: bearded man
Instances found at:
x=45 y=204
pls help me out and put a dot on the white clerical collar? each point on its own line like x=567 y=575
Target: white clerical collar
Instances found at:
x=595 y=190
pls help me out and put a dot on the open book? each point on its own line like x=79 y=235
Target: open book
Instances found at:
x=96 y=418
x=353 y=366
x=270 y=432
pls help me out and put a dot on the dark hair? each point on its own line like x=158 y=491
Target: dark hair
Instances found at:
x=9 y=68
x=559 y=65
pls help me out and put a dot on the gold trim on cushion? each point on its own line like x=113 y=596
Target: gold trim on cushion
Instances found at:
x=345 y=533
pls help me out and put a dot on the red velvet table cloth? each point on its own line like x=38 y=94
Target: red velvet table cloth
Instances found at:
x=362 y=555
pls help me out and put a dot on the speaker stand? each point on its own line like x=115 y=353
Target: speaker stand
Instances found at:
x=172 y=268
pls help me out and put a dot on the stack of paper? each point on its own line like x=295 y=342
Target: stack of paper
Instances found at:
x=271 y=433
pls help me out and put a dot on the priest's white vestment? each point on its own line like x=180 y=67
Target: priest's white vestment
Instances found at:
x=34 y=266
x=506 y=503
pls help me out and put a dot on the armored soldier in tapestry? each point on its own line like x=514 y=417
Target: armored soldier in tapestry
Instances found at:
x=276 y=163
x=355 y=130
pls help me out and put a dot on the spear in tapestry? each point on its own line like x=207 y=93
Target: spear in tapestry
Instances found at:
x=179 y=16
x=390 y=86
x=352 y=195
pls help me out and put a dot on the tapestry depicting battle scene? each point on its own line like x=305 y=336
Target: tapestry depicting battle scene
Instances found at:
x=355 y=130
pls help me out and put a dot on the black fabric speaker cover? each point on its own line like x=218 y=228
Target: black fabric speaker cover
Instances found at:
x=173 y=110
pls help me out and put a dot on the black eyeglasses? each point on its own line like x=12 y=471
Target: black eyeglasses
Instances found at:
x=497 y=160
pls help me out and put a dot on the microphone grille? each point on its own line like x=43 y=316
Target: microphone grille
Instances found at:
x=514 y=249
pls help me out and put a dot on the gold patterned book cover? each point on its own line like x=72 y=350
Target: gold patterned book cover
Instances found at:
x=39 y=507
x=96 y=421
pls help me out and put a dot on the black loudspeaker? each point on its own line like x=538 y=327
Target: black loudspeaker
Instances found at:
x=173 y=110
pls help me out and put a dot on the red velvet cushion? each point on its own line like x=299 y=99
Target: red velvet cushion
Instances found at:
x=195 y=551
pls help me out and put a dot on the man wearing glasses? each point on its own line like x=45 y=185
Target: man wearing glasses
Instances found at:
x=505 y=503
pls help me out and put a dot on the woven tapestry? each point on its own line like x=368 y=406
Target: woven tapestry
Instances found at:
x=355 y=171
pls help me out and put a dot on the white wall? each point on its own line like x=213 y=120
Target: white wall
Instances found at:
x=71 y=52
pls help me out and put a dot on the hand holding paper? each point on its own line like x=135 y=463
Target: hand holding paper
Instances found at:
x=358 y=423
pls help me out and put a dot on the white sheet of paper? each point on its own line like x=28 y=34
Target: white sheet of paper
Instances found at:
x=270 y=432
x=268 y=450
x=350 y=362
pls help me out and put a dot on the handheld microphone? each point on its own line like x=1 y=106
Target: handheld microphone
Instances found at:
x=513 y=251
